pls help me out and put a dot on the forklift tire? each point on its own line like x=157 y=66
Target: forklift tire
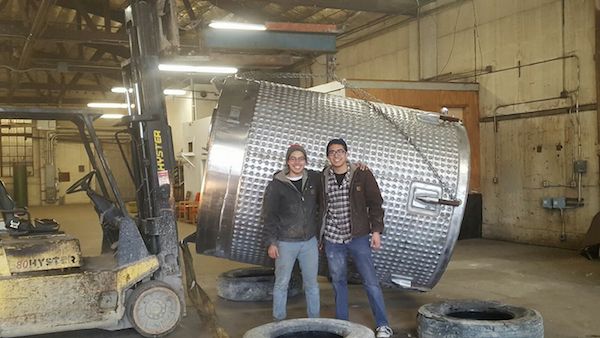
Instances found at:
x=473 y=318
x=310 y=327
x=253 y=284
x=154 y=309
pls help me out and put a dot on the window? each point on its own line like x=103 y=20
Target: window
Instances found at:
x=16 y=144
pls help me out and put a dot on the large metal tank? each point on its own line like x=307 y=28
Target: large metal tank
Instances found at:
x=420 y=161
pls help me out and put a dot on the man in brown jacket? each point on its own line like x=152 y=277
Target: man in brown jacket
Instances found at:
x=352 y=211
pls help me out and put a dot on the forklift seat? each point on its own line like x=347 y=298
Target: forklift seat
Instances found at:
x=18 y=220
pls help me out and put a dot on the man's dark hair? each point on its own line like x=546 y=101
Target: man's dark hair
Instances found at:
x=336 y=141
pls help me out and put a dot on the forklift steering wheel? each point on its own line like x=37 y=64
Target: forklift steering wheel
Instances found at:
x=82 y=184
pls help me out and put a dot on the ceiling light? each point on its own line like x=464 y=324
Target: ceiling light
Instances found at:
x=106 y=105
x=197 y=69
x=174 y=92
x=120 y=90
x=112 y=116
x=237 y=25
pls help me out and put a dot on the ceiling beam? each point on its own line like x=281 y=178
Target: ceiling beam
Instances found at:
x=404 y=7
x=85 y=15
x=16 y=29
x=198 y=13
x=3 y=4
x=242 y=10
x=92 y=7
x=50 y=79
x=44 y=100
x=106 y=12
x=224 y=39
x=238 y=60
x=105 y=87
x=97 y=36
x=64 y=88
x=37 y=27
x=23 y=8
x=61 y=49
x=108 y=71
x=121 y=51
x=189 y=10
x=12 y=29
x=32 y=81
x=53 y=86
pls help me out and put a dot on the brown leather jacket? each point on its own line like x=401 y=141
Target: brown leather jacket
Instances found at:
x=366 y=212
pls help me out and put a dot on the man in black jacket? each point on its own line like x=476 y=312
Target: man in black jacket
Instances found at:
x=291 y=224
x=353 y=210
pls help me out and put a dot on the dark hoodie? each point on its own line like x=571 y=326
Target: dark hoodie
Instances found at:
x=288 y=214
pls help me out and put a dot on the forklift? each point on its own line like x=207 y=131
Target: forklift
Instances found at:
x=46 y=285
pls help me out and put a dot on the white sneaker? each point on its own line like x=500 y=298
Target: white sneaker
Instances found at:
x=384 y=332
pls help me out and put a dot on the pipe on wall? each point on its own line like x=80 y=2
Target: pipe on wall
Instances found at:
x=570 y=94
x=488 y=70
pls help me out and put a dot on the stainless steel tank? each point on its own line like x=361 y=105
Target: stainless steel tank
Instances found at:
x=420 y=161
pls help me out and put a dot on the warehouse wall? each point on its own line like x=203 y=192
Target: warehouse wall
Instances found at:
x=69 y=156
x=516 y=49
x=179 y=111
x=189 y=118
x=198 y=103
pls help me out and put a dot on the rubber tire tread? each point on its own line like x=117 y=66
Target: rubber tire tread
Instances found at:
x=343 y=328
x=253 y=284
x=130 y=303
x=433 y=321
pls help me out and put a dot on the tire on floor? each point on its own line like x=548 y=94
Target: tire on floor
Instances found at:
x=474 y=318
x=252 y=284
x=310 y=327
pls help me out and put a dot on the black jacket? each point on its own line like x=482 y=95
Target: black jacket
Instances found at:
x=289 y=215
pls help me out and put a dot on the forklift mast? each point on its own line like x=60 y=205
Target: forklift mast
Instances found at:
x=140 y=284
x=153 y=155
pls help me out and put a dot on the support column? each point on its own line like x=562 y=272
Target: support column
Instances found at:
x=597 y=59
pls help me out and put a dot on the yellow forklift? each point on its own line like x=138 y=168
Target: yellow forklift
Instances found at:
x=46 y=285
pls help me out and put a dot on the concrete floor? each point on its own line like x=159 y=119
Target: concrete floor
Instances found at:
x=560 y=284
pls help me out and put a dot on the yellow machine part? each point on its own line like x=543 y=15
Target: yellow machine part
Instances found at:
x=92 y=296
x=38 y=253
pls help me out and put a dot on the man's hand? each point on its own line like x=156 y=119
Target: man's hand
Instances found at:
x=273 y=251
x=376 y=241
x=362 y=166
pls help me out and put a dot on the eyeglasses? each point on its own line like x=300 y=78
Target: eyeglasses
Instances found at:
x=297 y=159
x=336 y=152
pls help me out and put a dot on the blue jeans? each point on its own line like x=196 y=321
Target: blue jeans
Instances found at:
x=360 y=249
x=307 y=254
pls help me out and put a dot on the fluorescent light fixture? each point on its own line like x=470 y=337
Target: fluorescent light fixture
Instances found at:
x=237 y=25
x=174 y=92
x=106 y=105
x=197 y=69
x=120 y=90
x=112 y=116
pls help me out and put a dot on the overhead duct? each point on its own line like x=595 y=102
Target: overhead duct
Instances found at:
x=421 y=163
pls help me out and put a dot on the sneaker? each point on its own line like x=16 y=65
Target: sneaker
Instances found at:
x=384 y=332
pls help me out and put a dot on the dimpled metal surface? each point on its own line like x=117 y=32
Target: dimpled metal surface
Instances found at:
x=411 y=153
